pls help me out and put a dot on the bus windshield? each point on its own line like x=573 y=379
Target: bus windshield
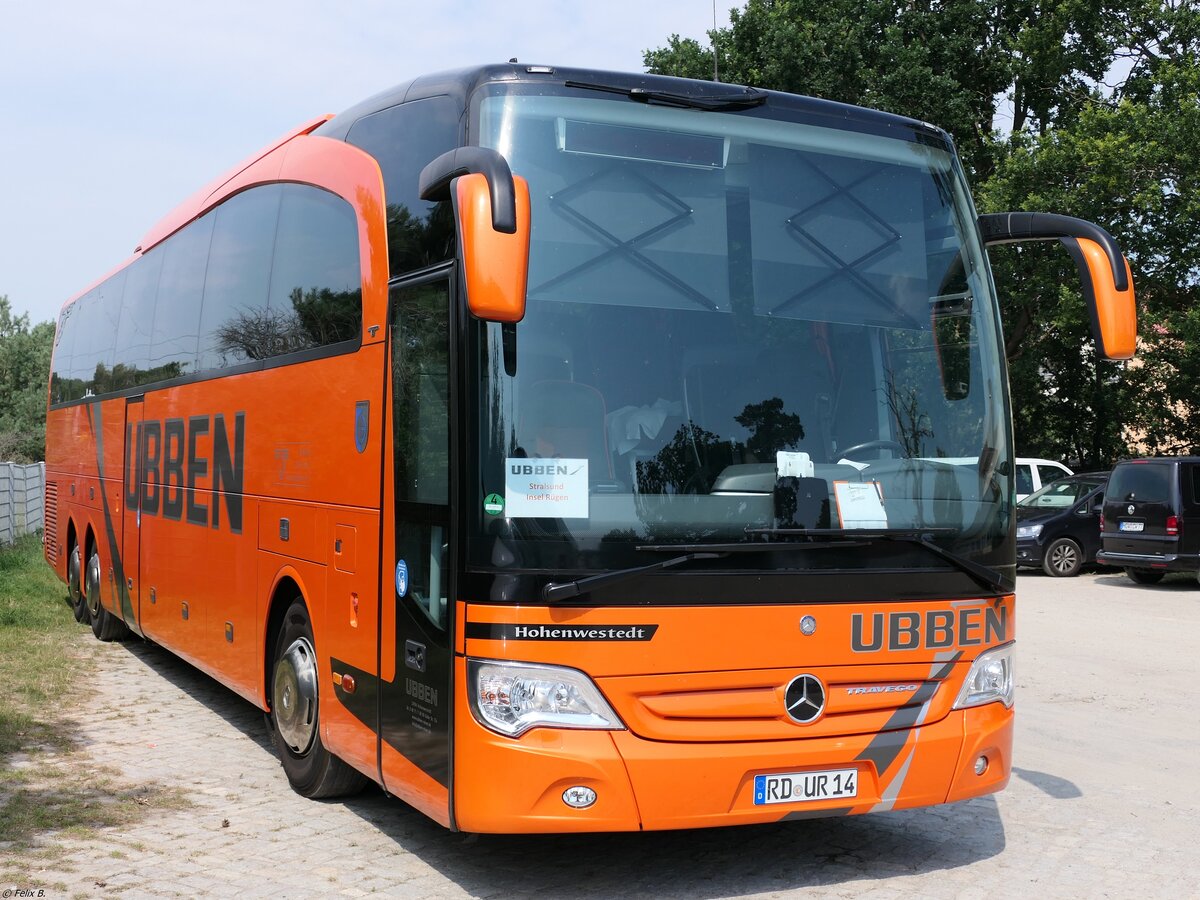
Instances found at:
x=735 y=321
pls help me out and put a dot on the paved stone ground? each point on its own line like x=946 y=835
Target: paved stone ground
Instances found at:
x=1104 y=802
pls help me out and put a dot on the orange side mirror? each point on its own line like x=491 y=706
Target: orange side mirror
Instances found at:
x=1114 y=312
x=495 y=263
x=1104 y=271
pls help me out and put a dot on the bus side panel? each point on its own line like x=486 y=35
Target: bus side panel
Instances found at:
x=198 y=597
x=59 y=431
x=64 y=428
x=351 y=633
x=412 y=785
x=234 y=465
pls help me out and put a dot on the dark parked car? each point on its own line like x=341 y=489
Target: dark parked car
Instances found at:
x=1058 y=527
x=1151 y=522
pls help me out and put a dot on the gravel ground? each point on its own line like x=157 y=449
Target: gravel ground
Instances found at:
x=1104 y=801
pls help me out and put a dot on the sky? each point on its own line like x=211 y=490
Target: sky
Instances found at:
x=117 y=111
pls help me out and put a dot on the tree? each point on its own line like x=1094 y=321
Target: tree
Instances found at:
x=24 y=374
x=1020 y=85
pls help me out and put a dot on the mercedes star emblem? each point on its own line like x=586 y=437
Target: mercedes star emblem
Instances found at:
x=804 y=699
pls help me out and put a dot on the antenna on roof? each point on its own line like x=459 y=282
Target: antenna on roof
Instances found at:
x=716 y=74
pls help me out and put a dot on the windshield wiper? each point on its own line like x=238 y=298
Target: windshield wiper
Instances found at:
x=988 y=578
x=565 y=590
x=747 y=99
x=816 y=539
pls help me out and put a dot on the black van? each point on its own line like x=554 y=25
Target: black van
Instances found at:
x=1151 y=521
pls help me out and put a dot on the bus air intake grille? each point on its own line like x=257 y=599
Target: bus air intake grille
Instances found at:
x=752 y=706
x=50 y=523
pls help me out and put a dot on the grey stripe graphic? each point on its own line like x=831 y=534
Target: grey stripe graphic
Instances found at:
x=114 y=544
x=886 y=746
x=888 y=800
x=816 y=814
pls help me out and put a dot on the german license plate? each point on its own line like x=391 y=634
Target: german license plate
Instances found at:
x=1132 y=526
x=803 y=787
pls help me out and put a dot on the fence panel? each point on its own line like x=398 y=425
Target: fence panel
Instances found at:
x=22 y=490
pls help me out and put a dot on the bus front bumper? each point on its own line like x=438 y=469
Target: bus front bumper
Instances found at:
x=505 y=785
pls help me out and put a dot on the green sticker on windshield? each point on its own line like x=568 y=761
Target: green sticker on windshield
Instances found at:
x=493 y=504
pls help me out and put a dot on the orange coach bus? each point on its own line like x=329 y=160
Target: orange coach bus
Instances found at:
x=572 y=451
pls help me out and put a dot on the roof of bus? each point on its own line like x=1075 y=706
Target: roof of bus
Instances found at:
x=461 y=83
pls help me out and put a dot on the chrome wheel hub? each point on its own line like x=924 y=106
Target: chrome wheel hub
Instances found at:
x=294 y=697
x=73 y=571
x=1063 y=558
x=91 y=585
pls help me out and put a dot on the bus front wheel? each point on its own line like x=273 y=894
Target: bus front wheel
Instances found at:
x=294 y=719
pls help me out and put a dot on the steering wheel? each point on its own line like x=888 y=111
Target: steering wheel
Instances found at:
x=874 y=445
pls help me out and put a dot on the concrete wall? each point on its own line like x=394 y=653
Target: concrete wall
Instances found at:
x=22 y=490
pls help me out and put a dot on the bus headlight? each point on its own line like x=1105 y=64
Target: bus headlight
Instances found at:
x=512 y=698
x=990 y=679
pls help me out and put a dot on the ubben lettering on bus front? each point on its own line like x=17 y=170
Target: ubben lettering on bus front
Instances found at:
x=939 y=629
x=173 y=471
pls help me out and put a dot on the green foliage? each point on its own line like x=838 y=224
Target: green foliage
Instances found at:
x=1020 y=85
x=24 y=373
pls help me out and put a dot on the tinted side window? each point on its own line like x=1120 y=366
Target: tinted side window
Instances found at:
x=132 y=358
x=316 y=278
x=234 y=325
x=61 y=388
x=177 y=309
x=1147 y=483
x=1192 y=485
x=404 y=139
x=92 y=352
x=1024 y=479
x=109 y=299
x=421 y=449
x=1050 y=474
x=421 y=389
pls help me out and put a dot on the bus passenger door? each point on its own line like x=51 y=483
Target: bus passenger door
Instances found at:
x=132 y=476
x=415 y=708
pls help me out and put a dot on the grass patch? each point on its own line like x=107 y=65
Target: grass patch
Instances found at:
x=48 y=784
x=76 y=801
x=41 y=658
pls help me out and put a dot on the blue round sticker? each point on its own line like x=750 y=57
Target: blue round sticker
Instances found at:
x=402 y=578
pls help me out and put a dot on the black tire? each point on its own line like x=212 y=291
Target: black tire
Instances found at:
x=75 y=583
x=1145 y=576
x=1063 y=558
x=105 y=626
x=294 y=719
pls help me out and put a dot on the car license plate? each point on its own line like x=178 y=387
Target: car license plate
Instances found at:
x=802 y=787
x=1132 y=526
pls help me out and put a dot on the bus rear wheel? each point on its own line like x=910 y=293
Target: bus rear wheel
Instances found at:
x=105 y=626
x=75 y=584
x=294 y=719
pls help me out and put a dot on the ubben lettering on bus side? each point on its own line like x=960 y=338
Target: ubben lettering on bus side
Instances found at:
x=173 y=459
